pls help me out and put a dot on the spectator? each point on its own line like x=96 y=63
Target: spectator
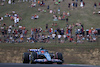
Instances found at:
x=97 y=12
x=59 y=38
x=81 y=4
x=81 y=0
x=95 y=5
x=25 y=0
x=39 y=9
x=90 y=31
x=62 y=31
x=59 y=18
x=32 y=17
x=51 y=31
x=59 y=10
x=66 y=19
x=39 y=3
x=99 y=5
x=13 y=2
x=48 y=7
x=72 y=4
x=2 y=3
x=1 y=18
x=71 y=39
x=9 y=2
x=68 y=5
x=30 y=0
x=76 y=4
x=55 y=32
x=35 y=16
x=51 y=11
x=53 y=36
x=76 y=0
x=46 y=26
x=33 y=4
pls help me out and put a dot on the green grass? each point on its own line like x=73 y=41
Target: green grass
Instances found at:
x=84 y=15
x=50 y=45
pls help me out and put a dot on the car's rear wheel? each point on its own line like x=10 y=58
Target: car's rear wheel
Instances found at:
x=26 y=57
x=33 y=57
x=60 y=57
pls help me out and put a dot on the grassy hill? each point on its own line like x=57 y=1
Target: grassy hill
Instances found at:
x=78 y=15
x=85 y=15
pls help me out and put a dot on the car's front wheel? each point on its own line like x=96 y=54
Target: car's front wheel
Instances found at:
x=33 y=57
x=26 y=57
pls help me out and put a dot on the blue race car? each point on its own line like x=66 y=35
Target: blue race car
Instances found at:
x=42 y=56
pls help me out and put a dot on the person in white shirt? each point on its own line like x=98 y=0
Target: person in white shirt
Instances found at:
x=53 y=36
x=17 y=19
x=81 y=5
x=9 y=31
x=59 y=37
x=51 y=11
x=9 y=2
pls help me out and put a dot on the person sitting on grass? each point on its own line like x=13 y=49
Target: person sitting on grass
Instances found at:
x=35 y=16
x=59 y=18
x=1 y=18
x=39 y=9
x=33 y=4
x=42 y=3
x=2 y=3
x=96 y=12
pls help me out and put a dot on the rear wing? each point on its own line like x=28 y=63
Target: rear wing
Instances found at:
x=33 y=50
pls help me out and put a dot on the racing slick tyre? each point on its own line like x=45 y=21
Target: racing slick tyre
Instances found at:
x=59 y=56
x=33 y=57
x=26 y=58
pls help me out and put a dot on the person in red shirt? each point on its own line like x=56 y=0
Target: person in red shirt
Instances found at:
x=34 y=29
x=25 y=32
x=71 y=39
x=67 y=31
x=50 y=30
x=15 y=31
x=99 y=5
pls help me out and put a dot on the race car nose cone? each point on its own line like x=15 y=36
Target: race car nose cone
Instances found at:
x=48 y=57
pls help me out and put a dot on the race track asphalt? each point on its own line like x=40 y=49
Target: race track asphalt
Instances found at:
x=42 y=65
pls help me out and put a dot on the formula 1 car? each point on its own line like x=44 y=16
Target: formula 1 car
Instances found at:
x=42 y=56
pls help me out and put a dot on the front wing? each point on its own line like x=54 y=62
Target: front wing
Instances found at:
x=45 y=60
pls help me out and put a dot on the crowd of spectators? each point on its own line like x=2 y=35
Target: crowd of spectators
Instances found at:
x=12 y=35
x=14 y=17
x=63 y=35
